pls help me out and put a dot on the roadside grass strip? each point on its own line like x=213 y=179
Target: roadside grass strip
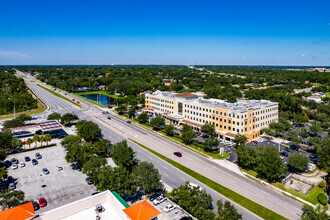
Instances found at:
x=254 y=207
x=60 y=96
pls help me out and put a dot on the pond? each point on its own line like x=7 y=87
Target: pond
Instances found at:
x=103 y=99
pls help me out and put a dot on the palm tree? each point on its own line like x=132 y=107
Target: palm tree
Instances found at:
x=36 y=139
x=41 y=140
x=29 y=141
x=47 y=138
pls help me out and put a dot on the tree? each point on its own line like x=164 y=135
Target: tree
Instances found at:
x=309 y=213
x=47 y=138
x=304 y=132
x=120 y=109
x=193 y=201
x=298 y=162
x=169 y=129
x=24 y=117
x=79 y=153
x=157 y=122
x=5 y=142
x=208 y=128
x=41 y=139
x=68 y=118
x=3 y=173
x=315 y=127
x=211 y=143
x=314 y=141
x=123 y=155
x=293 y=134
x=35 y=139
x=13 y=123
x=247 y=156
x=240 y=140
x=147 y=178
x=116 y=179
x=93 y=166
x=143 y=117
x=9 y=199
x=270 y=165
x=88 y=130
x=29 y=141
x=103 y=147
x=54 y=116
x=187 y=134
x=131 y=112
x=227 y=211
x=323 y=152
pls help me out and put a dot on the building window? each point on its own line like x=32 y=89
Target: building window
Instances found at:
x=233 y=129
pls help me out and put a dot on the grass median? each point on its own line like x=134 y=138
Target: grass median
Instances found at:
x=60 y=96
x=254 y=207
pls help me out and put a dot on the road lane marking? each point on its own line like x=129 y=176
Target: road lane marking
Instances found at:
x=165 y=167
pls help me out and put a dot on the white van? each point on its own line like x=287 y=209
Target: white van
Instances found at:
x=193 y=185
x=73 y=128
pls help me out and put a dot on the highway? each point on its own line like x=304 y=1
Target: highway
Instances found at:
x=117 y=129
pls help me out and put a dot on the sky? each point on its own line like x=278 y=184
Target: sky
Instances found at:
x=220 y=32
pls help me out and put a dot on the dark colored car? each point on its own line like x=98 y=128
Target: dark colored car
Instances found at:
x=38 y=156
x=14 y=161
x=154 y=196
x=295 y=147
x=109 y=118
x=128 y=122
x=35 y=206
x=89 y=181
x=42 y=202
x=76 y=167
x=39 y=132
x=27 y=159
x=34 y=162
x=178 y=154
x=313 y=159
x=288 y=150
x=45 y=171
x=314 y=134
x=278 y=135
x=7 y=163
x=73 y=100
x=285 y=154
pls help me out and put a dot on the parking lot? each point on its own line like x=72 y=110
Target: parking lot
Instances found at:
x=62 y=186
x=175 y=214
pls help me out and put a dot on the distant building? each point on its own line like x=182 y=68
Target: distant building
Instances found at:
x=314 y=98
x=101 y=87
x=248 y=85
x=168 y=84
x=82 y=88
x=246 y=117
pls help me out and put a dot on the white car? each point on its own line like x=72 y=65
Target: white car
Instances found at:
x=193 y=185
x=22 y=164
x=159 y=200
x=59 y=168
x=169 y=207
x=15 y=166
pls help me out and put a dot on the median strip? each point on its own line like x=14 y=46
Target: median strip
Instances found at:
x=58 y=95
x=254 y=207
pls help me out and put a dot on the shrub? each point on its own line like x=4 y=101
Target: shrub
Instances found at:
x=321 y=185
x=322 y=199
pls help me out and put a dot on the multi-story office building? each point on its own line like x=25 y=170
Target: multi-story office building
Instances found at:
x=246 y=117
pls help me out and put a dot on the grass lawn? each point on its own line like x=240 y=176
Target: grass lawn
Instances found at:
x=251 y=172
x=328 y=94
x=254 y=207
x=310 y=197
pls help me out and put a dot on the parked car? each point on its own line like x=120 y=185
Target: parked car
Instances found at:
x=38 y=156
x=314 y=134
x=295 y=147
x=59 y=168
x=14 y=161
x=288 y=149
x=285 y=154
x=313 y=159
x=178 y=154
x=15 y=166
x=27 y=159
x=12 y=186
x=278 y=135
x=42 y=202
x=159 y=200
x=154 y=196
x=255 y=142
x=169 y=207
x=45 y=171
x=7 y=163
x=34 y=162
x=35 y=206
x=89 y=181
x=22 y=164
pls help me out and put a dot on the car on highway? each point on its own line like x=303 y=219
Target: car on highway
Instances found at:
x=73 y=100
x=78 y=102
x=14 y=161
x=27 y=159
x=38 y=156
x=42 y=202
x=128 y=122
x=178 y=154
x=169 y=207
x=35 y=206
x=15 y=166
x=34 y=162
x=159 y=200
x=193 y=185
x=89 y=181
x=45 y=171
x=109 y=118
x=22 y=164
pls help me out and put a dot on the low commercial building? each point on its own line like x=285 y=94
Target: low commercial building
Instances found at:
x=246 y=117
x=314 y=99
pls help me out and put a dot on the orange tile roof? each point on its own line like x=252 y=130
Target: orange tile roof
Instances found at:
x=186 y=95
x=141 y=211
x=20 y=212
x=191 y=123
x=146 y=108
x=231 y=134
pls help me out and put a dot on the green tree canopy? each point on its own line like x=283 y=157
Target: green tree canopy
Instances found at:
x=208 y=128
x=54 y=116
x=309 y=213
x=240 y=140
x=143 y=117
x=187 y=134
x=93 y=166
x=323 y=152
x=9 y=199
x=227 y=211
x=304 y=132
x=157 y=122
x=88 y=130
x=315 y=127
x=68 y=118
x=298 y=162
x=169 y=129
x=211 y=143
x=123 y=155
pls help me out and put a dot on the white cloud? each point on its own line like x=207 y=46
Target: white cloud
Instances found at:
x=12 y=54
x=116 y=38
x=303 y=55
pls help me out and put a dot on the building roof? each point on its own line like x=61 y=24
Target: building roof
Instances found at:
x=141 y=211
x=20 y=212
x=191 y=123
x=186 y=95
x=50 y=125
x=120 y=199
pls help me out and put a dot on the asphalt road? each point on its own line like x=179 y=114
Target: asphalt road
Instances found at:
x=117 y=129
